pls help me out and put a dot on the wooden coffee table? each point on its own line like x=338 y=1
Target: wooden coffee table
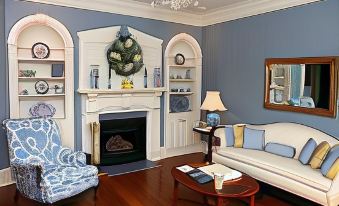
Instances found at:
x=243 y=187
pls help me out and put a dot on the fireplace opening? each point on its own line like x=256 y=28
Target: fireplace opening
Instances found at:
x=122 y=138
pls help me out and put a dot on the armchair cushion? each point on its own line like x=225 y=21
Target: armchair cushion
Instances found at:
x=67 y=157
x=62 y=181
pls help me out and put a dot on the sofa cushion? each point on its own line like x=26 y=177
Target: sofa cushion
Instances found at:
x=319 y=154
x=287 y=167
x=334 y=170
x=306 y=152
x=331 y=157
x=238 y=130
x=229 y=134
x=280 y=149
x=254 y=139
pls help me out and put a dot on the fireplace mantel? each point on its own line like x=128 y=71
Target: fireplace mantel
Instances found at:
x=91 y=92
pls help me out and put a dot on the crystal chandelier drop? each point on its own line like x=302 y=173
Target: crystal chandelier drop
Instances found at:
x=174 y=4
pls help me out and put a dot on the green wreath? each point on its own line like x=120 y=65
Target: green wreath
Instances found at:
x=125 y=56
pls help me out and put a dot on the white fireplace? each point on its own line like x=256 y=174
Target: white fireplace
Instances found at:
x=95 y=103
x=92 y=51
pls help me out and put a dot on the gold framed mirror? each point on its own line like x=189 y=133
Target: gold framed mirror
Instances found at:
x=306 y=85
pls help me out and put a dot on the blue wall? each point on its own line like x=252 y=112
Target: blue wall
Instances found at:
x=78 y=20
x=3 y=87
x=234 y=55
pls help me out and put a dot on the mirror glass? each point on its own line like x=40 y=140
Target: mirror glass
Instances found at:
x=302 y=83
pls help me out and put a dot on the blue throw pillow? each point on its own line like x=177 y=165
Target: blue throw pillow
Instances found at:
x=280 y=149
x=229 y=136
x=254 y=139
x=331 y=157
x=307 y=151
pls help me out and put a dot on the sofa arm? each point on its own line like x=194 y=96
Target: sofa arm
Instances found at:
x=67 y=157
x=28 y=178
x=219 y=132
x=333 y=193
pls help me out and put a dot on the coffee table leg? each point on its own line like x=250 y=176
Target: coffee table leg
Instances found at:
x=175 y=193
x=252 y=200
x=220 y=201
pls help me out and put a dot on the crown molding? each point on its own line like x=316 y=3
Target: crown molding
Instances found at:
x=144 y=10
x=249 y=8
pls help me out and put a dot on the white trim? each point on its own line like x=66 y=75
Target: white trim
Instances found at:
x=189 y=143
x=139 y=9
x=6 y=177
x=249 y=8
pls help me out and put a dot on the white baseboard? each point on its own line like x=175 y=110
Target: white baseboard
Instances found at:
x=6 y=177
x=172 y=152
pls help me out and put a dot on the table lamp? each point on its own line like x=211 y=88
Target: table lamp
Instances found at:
x=213 y=103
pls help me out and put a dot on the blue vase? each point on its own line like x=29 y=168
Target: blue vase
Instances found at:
x=213 y=120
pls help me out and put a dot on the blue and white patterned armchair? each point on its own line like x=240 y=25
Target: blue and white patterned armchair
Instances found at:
x=43 y=169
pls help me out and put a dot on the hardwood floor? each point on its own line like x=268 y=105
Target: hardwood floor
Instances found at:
x=151 y=187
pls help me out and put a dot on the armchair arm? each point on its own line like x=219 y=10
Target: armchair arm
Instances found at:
x=333 y=193
x=27 y=175
x=67 y=157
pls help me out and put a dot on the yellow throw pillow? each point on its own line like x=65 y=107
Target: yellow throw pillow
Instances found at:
x=333 y=170
x=319 y=155
x=238 y=130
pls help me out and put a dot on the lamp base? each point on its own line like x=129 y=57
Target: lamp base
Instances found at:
x=213 y=119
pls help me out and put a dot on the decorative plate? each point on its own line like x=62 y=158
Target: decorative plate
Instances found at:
x=179 y=59
x=42 y=109
x=41 y=87
x=179 y=103
x=40 y=51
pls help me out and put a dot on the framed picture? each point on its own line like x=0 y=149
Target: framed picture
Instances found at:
x=57 y=70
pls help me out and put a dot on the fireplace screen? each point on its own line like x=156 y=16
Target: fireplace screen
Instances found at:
x=122 y=140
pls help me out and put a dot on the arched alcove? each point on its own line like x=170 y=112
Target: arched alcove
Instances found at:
x=22 y=90
x=184 y=85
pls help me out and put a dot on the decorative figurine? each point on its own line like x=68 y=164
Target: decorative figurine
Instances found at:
x=94 y=76
x=188 y=74
x=24 y=92
x=157 y=77
x=127 y=83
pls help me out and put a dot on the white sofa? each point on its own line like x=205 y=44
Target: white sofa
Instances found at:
x=285 y=173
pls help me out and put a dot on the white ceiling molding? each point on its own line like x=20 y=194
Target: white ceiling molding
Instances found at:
x=249 y=8
x=144 y=10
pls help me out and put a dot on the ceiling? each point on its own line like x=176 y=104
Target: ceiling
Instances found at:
x=216 y=11
x=205 y=6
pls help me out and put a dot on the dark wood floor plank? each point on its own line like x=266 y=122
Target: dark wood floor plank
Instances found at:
x=151 y=187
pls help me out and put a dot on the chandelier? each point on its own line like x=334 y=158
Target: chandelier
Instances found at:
x=174 y=4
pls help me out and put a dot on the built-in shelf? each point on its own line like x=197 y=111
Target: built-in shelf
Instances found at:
x=39 y=60
x=56 y=48
x=181 y=80
x=180 y=112
x=279 y=77
x=41 y=78
x=278 y=87
x=43 y=95
x=181 y=93
x=182 y=66
x=185 y=57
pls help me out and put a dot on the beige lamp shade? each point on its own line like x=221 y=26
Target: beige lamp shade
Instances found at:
x=213 y=102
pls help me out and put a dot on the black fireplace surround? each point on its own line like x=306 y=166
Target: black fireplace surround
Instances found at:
x=122 y=137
